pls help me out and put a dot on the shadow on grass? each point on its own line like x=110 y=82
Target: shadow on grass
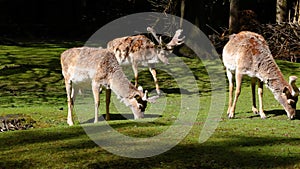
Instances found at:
x=232 y=152
x=177 y=91
x=226 y=154
x=120 y=117
x=28 y=78
x=279 y=112
x=272 y=114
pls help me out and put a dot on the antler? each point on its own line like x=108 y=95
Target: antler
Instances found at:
x=176 y=40
x=153 y=32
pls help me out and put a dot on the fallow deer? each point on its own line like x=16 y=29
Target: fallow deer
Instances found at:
x=139 y=49
x=247 y=53
x=84 y=67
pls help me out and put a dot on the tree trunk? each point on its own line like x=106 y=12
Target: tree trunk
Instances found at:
x=182 y=10
x=288 y=11
x=281 y=11
x=234 y=17
x=296 y=9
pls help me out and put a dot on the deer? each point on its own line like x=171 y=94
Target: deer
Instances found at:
x=247 y=53
x=139 y=49
x=84 y=67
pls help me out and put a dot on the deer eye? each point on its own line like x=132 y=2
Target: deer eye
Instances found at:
x=137 y=97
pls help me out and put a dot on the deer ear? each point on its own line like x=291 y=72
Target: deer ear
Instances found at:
x=140 y=88
x=145 y=97
x=140 y=106
x=291 y=101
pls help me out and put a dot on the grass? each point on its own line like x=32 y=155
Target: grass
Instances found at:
x=31 y=84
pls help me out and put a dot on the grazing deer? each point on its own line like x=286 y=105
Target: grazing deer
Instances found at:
x=82 y=67
x=139 y=49
x=247 y=53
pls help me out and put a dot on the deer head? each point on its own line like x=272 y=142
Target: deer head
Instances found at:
x=290 y=98
x=138 y=103
x=165 y=49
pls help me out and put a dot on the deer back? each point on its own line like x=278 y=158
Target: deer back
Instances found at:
x=85 y=64
x=136 y=49
x=248 y=53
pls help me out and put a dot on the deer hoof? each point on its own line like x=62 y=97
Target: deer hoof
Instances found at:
x=70 y=123
x=263 y=116
x=230 y=116
x=255 y=111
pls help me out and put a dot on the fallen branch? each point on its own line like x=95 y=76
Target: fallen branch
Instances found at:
x=283 y=40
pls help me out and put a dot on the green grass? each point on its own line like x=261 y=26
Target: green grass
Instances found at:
x=31 y=84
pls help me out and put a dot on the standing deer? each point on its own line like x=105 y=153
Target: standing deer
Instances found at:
x=139 y=49
x=247 y=53
x=82 y=67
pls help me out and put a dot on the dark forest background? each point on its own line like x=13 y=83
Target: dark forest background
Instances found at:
x=79 y=19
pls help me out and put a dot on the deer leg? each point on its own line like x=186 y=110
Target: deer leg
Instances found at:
x=96 y=92
x=260 y=99
x=135 y=71
x=230 y=81
x=153 y=72
x=253 y=83
x=108 y=95
x=238 y=80
x=70 y=101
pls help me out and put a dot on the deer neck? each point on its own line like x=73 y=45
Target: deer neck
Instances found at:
x=163 y=54
x=276 y=83
x=268 y=71
x=121 y=86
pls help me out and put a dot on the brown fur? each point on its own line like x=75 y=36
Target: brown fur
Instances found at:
x=139 y=49
x=247 y=53
x=94 y=67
